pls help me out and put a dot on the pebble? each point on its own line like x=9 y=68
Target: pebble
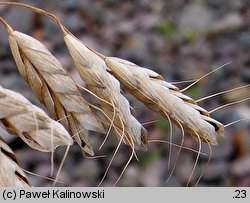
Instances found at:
x=241 y=167
x=216 y=169
x=153 y=174
x=195 y=16
x=229 y=22
x=87 y=170
x=131 y=178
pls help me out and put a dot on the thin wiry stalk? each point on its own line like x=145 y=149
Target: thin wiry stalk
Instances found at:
x=206 y=165
x=178 y=153
x=196 y=160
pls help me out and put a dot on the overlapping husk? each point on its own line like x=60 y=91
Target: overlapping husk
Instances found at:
x=93 y=71
x=11 y=174
x=160 y=96
x=21 y=118
x=54 y=87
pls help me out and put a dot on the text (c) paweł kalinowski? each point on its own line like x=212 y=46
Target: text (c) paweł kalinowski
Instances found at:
x=61 y=194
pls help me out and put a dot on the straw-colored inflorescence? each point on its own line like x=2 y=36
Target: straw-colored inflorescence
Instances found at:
x=54 y=87
x=11 y=174
x=103 y=75
x=93 y=71
x=160 y=96
x=19 y=117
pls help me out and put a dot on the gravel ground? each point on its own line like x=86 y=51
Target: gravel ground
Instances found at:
x=181 y=39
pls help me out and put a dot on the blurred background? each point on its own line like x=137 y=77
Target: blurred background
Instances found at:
x=181 y=40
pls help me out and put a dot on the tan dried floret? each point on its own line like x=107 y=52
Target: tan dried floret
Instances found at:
x=21 y=118
x=93 y=71
x=54 y=87
x=11 y=174
x=163 y=97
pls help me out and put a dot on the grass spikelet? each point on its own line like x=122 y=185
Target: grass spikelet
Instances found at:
x=93 y=71
x=103 y=76
x=19 y=117
x=160 y=96
x=11 y=174
x=54 y=87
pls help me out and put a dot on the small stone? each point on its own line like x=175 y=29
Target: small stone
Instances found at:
x=131 y=177
x=148 y=21
x=241 y=167
x=195 y=16
x=74 y=22
x=87 y=170
x=244 y=39
x=231 y=21
x=153 y=175
x=244 y=181
x=184 y=168
x=214 y=170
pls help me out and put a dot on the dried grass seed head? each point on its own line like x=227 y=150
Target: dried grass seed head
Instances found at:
x=93 y=71
x=21 y=118
x=11 y=174
x=54 y=87
x=163 y=97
